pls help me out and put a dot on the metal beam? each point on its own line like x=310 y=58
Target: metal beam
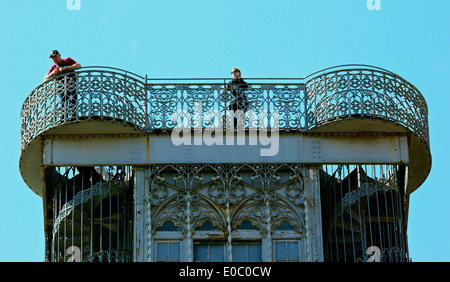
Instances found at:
x=319 y=148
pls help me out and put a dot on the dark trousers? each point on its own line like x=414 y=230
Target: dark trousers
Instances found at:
x=240 y=104
x=68 y=94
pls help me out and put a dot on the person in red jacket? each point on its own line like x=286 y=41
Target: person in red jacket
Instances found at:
x=61 y=65
x=66 y=86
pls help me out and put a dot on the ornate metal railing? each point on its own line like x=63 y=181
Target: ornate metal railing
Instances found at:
x=385 y=255
x=352 y=91
x=296 y=104
x=287 y=99
x=90 y=93
x=110 y=256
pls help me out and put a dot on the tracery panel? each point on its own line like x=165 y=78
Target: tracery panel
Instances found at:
x=225 y=198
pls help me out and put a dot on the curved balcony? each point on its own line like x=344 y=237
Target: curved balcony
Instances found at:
x=355 y=98
x=101 y=94
x=366 y=92
x=351 y=98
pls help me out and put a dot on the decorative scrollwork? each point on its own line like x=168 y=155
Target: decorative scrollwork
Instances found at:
x=227 y=184
x=366 y=92
x=295 y=192
x=222 y=195
x=110 y=256
x=158 y=193
x=118 y=95
x=227 y=195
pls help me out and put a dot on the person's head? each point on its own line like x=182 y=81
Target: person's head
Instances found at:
x=235 y=72
x=55 y=56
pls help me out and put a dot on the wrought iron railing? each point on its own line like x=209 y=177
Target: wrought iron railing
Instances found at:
x=363 y=213
x=352 y=91
x=91 y=213
x=91 y=93
x=110 y=256
x=151 y=105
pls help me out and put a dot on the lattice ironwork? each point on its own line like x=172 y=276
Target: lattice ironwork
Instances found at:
x=362 y=205
x=216 y=185
x=152 y=105
x=88 y=94
x=110 y=256
x=369 y=93
x=189 y=196
x=363 y=208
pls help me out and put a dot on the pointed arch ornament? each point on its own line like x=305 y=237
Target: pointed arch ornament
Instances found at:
x=225 y=195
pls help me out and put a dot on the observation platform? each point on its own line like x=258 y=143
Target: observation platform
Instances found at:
x=352 y=114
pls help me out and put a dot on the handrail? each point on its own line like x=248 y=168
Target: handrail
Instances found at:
x=147 y=103
x=348 y=66
x=111 y=69
x=82 y=95
x=302 y=79
x=370 y=92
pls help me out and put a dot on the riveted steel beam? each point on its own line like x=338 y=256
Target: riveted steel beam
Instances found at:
x=63 y=150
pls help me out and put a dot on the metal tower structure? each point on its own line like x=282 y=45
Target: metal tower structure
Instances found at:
x=135 y=169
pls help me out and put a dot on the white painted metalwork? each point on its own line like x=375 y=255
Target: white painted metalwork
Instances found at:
x=293 y=148
x=118 y=185
x=120 y=96
x=227 y=196
x=347 y=92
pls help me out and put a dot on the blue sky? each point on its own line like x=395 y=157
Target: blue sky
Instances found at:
x=206 y=38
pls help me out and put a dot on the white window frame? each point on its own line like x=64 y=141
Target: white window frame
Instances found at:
x=167 y=236
x=285 y=236
x=209 y=243
x=180 y=250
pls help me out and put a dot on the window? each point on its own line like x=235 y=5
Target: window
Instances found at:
x=217 y=252
x=168 y=238
x=168 y=226
x=247 y=252
x=168 y=251
x=210 y=252
x=287 y=251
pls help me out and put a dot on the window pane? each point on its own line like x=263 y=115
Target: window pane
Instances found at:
x=280 y=251
x=293 y=251
x=168 y=226
x=247 y=225
x=161 y=251
x=200 y=252
x=286 y=226
x=216 y=252
x=254 y=252
x=239 y=252
x=174 y=251
x=207 y=226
